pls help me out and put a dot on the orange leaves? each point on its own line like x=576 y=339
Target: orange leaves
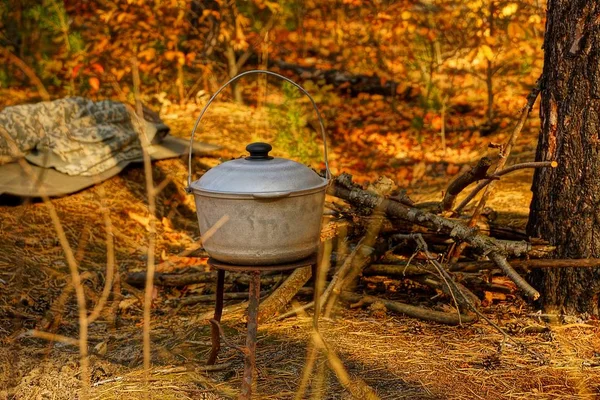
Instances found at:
x=92 y=71
x=75 y=70
x=99 y=69
x=436 y=123
x=147 y=54
x=175 y=55
x=371 y=128
x=510 y=9
x=123 y=17
x=485 y=52
x=273 y=6
x=384 y=16
x=213 y=13
x=94 y=83
x=190 y=57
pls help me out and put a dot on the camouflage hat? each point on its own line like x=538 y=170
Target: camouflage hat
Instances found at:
x=88 y=137
x=79 y=138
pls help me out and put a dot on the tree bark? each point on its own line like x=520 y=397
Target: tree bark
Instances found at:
x=564 y=208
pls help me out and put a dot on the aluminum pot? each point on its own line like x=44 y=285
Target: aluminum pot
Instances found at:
x=259 y=210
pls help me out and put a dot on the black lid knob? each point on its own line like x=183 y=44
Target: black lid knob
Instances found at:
x=259 y=151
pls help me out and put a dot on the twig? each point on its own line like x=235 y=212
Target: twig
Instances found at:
x=466 y=298
x=193 y=368
x=294 y=311
x=52 y=337
x=226 y=311
x=197 y=247
x=177 y=280
x=309 y=364
x=174 y=370
x=109 y=380
x=497 y=175
x=462 y=181
x=501 y=262
x=110 y=264
x=401 y=268
x=355 y=385
x=354 y=265
x=152 y=215
x=409 y=310
x=341 y=272
x=421 y=245
x=190 y=300
x=242 y=350
x=504 y=153
x=114 y=312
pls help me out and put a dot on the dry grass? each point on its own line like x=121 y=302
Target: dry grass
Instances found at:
x=399 y=358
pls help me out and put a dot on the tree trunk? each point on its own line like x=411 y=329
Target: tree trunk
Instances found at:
x=564 y=209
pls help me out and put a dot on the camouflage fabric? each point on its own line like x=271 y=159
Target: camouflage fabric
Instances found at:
x=82 y=136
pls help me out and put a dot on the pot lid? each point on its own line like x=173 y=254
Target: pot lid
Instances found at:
x=259 y=173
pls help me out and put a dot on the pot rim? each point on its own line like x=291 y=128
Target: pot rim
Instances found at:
x=259 y=195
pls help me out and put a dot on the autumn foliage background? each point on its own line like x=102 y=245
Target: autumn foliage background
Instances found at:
x=452 y=70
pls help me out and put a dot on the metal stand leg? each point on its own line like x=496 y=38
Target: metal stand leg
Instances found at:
x=214 y=329
x=249 y=362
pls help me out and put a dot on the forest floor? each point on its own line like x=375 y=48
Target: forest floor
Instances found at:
x=398 y=357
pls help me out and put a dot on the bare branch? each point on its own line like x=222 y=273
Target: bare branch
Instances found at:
x=462 y=181
x=497 y=175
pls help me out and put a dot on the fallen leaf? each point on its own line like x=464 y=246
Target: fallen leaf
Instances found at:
x=144 y=221
x=94 y=83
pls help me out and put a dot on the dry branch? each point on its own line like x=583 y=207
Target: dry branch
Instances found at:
x=190 y=300
x=283 y=294
x=462 y=181
x=177 y=280
x=531 y=98
x=527 y=264
x=497 y=175
x=355 y=385
x=360 y=257
x=407 y=309
x=151 y=214
x=404 y=269
x=343 y=188
x=504 y=153
x=110 y=265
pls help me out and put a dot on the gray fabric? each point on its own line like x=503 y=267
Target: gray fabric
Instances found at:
x=14 y=180
x=47 y=181
x=77 y=136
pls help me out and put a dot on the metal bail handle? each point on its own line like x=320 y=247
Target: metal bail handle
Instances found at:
x=235 y=78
